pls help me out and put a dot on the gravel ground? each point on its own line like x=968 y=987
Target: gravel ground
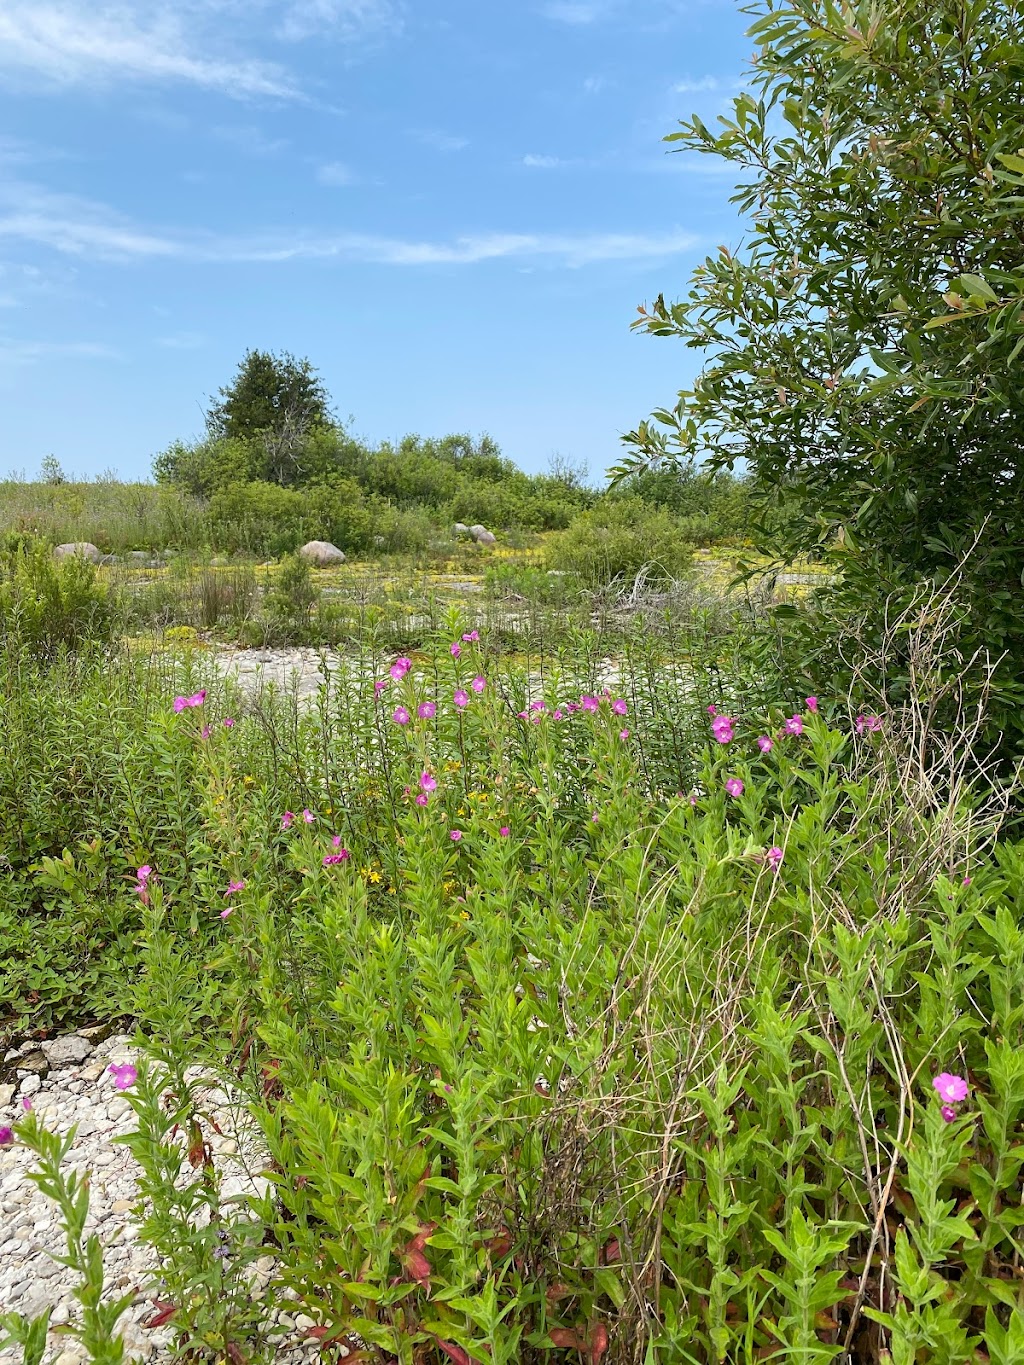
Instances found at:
x=68 y=1082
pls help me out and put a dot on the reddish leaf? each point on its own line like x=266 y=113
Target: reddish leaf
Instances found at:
x=556 y=1292
x=612 y=1251
x=566 y=1338
x=499 y=1247
x=453 y=1352
x=419 y=1241
x=165 y=1311
x=235 y=1354
x=417 y=1267
x=598 y=1342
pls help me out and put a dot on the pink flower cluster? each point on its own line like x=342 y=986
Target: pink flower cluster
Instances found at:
x=141 y=887
x=952 y=1090
x=185 y=703
x=867 y=725
x=124 y=1074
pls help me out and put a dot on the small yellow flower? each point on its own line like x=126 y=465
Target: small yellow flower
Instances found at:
x=375 y=877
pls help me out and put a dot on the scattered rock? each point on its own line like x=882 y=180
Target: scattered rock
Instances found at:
x=482 y=536
x=460 y=529
x=33 y=1061
x=30 y=1084
x=321 y=553
x=83 y=548
x=65 y=1051
x=6 y=1095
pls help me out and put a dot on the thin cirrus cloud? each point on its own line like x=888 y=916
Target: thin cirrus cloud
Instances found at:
x=17 y=351
x=80 y=228
x=336 y=175
x=75 y=43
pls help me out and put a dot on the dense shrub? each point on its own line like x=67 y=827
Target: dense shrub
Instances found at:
x=47 y=605
x=617 y=540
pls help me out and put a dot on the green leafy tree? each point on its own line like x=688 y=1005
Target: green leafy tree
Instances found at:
x=861 y=348
x=274 y=404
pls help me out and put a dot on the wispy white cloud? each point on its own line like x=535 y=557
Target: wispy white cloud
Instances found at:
x=162 y=42
x=68 y=42
x=18 y=351
x=696 y=85
x=182 y=341
x=345 y=19
x=543 y=163
x=77 y=227
x=576 y=11
x=249 y=140
x=440 y=141
x=336 y=174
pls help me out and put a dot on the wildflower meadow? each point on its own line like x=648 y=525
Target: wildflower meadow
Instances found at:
x=561 y=1042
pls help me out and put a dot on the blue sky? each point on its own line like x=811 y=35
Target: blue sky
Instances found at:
x=452 y=207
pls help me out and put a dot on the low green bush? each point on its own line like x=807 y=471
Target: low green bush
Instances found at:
x=619 y=540
x=47 y=604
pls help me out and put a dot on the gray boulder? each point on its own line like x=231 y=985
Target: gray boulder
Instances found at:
x=83 y=548
x=460 y=529
x=482 y=536
x=321 y=553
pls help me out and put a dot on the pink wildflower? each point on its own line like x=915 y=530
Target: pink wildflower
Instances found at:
x=623 y=734
x=478 y=684
x=948 y=1113
x=693 y=799
x=456 y=650
x=765 y=743
x=794 y=726
x=227 y=912
x=400 y=715
x=422 y=799
x=734 y=786
x=867 y=724
x=426 y=710
x=951 y=1088
x=400 y=668
x=471 y=635
x=538 y=706
x=811 y=703
x=774 y=856
x=124 y=1075
x=557 y=713
x=504 y=831
x=966 y=881
x=6 y=1136
x=332 y=859
x=379 y=686
x=571 y=707
x=336 y=841
x=228 y=722
x=619 y=707
x=595 y=817
x=179 y=704
x=522 y=714
x=588 y=703
x=428 y=782
x=287 y=818
x=204 y=733
x=722 y=729
x=712 y=711
x=26 y=1103
x=235 y=886
x=455 y=835
x=308 y=816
